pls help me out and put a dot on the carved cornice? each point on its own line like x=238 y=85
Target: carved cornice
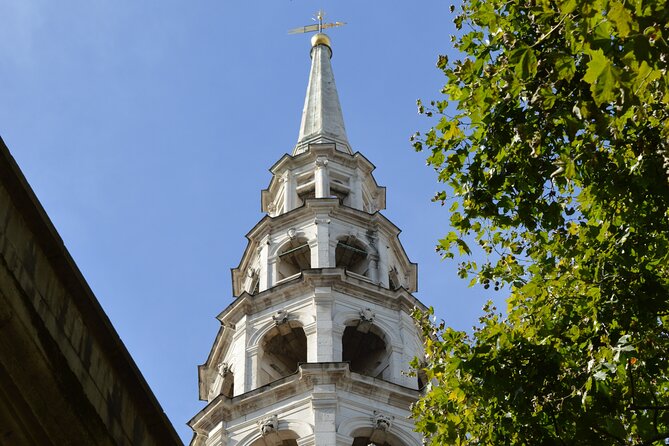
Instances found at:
x=378 y=391
x=304 y=284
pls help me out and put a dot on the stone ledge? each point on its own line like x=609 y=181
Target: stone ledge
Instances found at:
x=308 y=375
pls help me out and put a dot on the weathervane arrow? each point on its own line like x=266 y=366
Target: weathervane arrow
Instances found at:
x=319 y=27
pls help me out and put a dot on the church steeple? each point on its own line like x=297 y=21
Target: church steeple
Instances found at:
x=322 y=119
x=313 y=348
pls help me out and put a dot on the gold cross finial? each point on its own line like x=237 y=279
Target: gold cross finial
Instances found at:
x=320 y=15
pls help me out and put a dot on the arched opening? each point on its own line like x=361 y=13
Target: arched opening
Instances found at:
x=342 y=195
x=339 y=187
x=352 y=255
x=283 y=348
x=306 y=194
x=294 y=257
x=375 y=437
x=280 y=438
x=305 y=188
x=366 y=441
x=365 y=348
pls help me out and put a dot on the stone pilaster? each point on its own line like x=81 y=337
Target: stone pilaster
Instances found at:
x=265 y=275
x=321 y=255
x=356 y=191
x=252 y=374
x=290 y=191
x=323 y=301
x=324 y=404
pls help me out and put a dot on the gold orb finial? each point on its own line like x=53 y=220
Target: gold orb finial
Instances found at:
x=320 y=39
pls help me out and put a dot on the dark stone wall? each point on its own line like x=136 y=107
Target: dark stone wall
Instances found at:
x=65 y=376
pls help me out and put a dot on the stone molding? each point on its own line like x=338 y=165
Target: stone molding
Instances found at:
x=377 y=391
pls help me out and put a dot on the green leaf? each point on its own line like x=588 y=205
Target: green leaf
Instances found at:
x=524 y=61
x=567 y=6
x=616 y=428
x=454 y=206
x=645 y=75
x=464 y=248
x=601 y=77
x=453 y=131
x=564 y=64
x=561 y=174
x=621 y=17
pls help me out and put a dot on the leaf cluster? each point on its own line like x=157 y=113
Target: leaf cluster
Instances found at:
x=552 y=141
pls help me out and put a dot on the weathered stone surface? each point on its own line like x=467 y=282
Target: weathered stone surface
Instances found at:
x=65 y=376
x=322 y=119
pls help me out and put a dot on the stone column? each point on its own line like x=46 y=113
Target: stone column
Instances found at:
x=324 y=404
x=321 y=255
x=265 y=275
x=397 y=366
x=373 y=239
x=239 y=363
x=252 y=380
x=337 y=349
x=310 y=331
x=356 y=191
x=383 y=266
x=411 y=348
x=332 y=257
x=290 y=192
x=272 y=271
x=323 y=302
x=313 y=246
x=374 y=268
x=322 y=178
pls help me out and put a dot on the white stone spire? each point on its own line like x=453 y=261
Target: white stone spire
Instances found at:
x=322 y=120
x=313 y=348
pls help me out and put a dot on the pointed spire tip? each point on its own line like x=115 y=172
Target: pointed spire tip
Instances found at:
x=322 y=120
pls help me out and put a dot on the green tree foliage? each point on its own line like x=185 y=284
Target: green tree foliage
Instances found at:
x=552 y=143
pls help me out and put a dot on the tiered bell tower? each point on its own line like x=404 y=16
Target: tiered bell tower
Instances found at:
x=315 y=347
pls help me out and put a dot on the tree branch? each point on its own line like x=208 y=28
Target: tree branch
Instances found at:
x=637 y=407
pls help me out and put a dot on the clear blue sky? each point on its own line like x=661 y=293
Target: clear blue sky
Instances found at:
x=146 y=129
